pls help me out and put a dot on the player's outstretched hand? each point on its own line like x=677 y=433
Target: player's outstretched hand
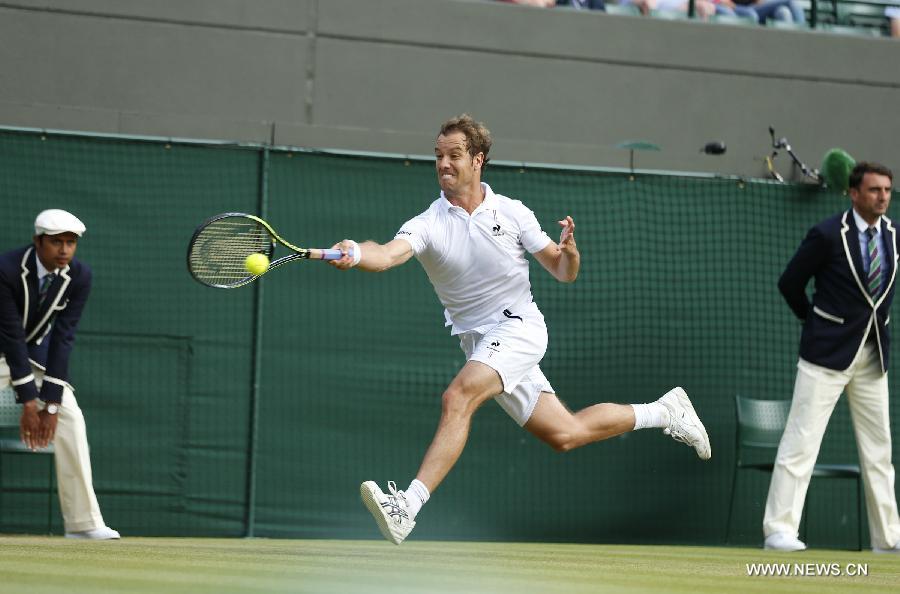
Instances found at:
x=346 y=261
x=567 y=235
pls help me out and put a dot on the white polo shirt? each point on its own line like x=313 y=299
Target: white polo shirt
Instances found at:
x=476 y=262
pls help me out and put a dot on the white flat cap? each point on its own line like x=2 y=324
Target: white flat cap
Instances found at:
x=55 y=221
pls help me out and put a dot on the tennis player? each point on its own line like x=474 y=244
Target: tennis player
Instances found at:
x=472 y=244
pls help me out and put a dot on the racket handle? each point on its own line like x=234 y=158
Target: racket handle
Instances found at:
x=331 y=254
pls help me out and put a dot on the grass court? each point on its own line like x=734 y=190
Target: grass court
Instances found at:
x=39 y=565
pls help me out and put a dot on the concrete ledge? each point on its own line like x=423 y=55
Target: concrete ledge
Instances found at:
x=555 y=86
x=270 y=15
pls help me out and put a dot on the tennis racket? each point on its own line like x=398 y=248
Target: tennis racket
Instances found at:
x=220 y=246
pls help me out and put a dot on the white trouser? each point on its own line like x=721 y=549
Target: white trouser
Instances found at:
x=816 y=392
x=77 y=500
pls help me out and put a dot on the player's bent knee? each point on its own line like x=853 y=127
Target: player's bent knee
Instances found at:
x=562 y=442
x=456 y=402
x=568 y=446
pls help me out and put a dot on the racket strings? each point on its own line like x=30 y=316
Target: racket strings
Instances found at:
x=219 y=250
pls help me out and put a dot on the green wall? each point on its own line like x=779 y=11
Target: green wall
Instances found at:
x=677 y=287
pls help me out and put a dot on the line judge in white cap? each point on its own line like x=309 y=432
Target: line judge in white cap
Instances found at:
x=43 y=290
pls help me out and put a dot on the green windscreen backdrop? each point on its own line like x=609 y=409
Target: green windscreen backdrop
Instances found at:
x=259 y=411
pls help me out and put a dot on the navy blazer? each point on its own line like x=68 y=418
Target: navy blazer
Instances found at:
x=842 y=313
x=43 y=335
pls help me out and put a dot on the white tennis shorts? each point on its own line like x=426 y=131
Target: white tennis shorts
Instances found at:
x=513 y=348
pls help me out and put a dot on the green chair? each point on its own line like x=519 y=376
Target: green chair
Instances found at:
x=867 y=16
x=737 y=20
x=10 y=443
x=818 y=12
x=851 y=31
x=623 y=9
x=760 y=424
x=669 y=15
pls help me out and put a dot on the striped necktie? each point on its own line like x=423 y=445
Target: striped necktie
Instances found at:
x=45 y=286
x=873 y=281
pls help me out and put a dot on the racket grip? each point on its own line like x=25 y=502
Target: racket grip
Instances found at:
x=331 y=254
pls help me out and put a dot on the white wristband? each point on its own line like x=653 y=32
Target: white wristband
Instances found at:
x=357 y=252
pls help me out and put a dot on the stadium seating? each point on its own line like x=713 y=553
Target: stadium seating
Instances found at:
x=864 y=14
x=853 y=17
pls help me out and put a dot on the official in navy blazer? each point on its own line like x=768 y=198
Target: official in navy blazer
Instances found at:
x=844 y=346
x=43 y=291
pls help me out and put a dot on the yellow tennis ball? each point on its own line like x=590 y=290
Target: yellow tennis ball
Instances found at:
x=256 y=264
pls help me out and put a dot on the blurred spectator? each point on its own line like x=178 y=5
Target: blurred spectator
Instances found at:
x=778 y=10
x=759 y=10
x=540 y=3
x=583 y=4
x=703 y=8
x=893 y=15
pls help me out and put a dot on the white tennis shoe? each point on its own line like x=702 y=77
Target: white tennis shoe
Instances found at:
x=684 y=424
x=894 y=549
x=782 y=541
x=102 y=533
x=391 y=511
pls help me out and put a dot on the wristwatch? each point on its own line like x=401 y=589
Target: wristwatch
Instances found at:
x=52 y=408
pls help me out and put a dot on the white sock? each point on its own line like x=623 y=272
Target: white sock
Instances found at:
x=650 y=415
x=416 y=496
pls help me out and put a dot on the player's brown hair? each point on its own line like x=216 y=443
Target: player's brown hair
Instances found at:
x=478 y=137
